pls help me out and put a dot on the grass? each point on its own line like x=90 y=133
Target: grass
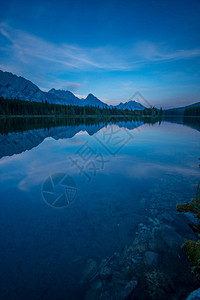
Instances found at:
x=192 y=248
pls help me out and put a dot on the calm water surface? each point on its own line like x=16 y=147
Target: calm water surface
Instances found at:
x=116 y=206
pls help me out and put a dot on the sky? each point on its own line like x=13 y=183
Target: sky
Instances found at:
x=110 y=48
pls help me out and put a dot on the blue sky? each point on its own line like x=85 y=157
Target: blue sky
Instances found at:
x=109 y=48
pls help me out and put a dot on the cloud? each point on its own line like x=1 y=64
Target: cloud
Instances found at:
x=72 y=86
x=71 y=67
x=28 y=49
x=152 y=52
x=60 y=84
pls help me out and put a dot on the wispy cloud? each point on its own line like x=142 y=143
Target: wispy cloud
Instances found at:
x=29 y=49
x=153 y=52
x=63 y=84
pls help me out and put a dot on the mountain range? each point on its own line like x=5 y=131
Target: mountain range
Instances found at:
x=17 y=87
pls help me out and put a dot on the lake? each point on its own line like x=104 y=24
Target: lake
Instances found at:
x=88 y=208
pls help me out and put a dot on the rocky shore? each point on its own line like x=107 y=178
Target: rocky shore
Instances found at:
x=152 y=267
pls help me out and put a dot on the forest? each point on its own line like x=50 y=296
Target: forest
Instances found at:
x=192 y=111
x=15 y=107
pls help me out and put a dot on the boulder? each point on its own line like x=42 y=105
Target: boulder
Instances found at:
x=166 y=217
x=105 y=272
x=151 y=258
x=90 y=270
x=130 y=286
x=195 y=295
x=170 y=237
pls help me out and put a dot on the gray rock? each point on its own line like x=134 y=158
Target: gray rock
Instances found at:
x=131 y=285
x=90 y=270
x=105 y=272
x=97 y=285
x=118 y=290
x=166 y=217
x=170 y=237
x=156 y=245
x=191 y=218
x=151 y=258
x=195 y=295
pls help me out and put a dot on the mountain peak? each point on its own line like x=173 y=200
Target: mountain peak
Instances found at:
x=90 y=96
x=93 y=100
x=131 y=105
x=52 y=90
x=67 y=96
x=59 y=91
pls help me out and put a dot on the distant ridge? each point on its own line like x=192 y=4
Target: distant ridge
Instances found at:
x=180 y=110
x=13 y=86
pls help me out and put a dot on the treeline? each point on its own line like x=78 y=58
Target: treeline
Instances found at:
x=173 y=112
x=188 y=112
x=21 y=107
x=192 y=112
